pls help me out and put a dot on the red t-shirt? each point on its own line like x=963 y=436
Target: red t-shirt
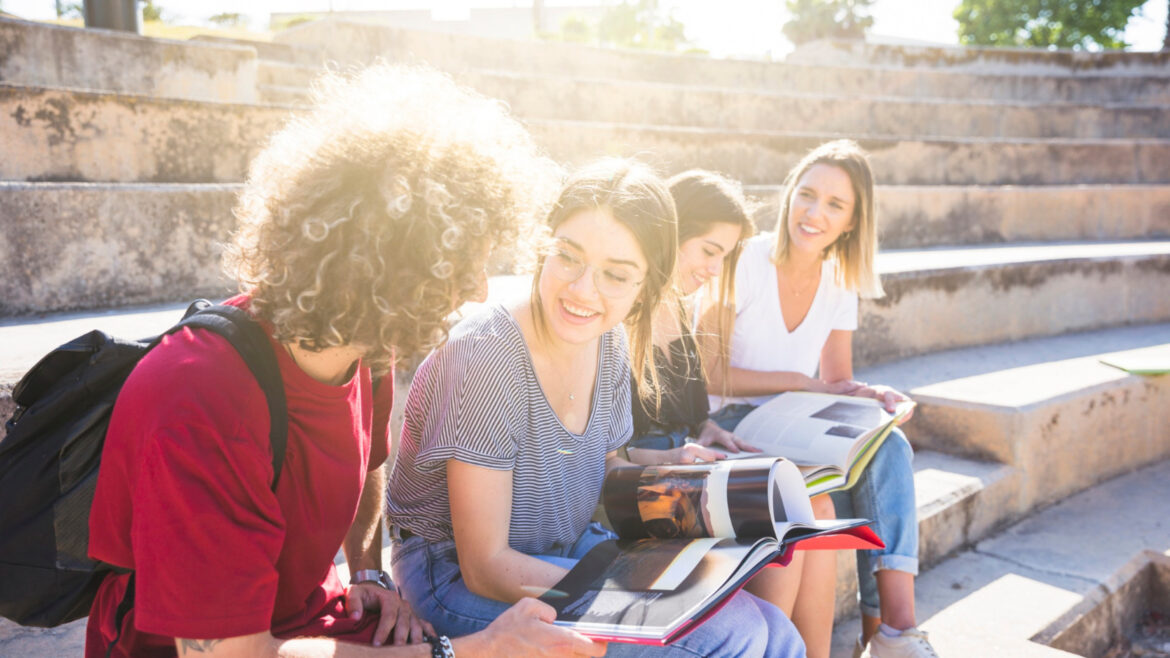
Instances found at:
x=184 y=499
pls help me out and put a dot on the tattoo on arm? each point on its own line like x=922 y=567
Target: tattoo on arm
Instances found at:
x=198 y=646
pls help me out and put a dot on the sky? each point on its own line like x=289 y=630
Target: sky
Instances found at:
x=746 y=28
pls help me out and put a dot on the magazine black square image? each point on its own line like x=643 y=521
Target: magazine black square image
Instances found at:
x=847 y=431
x=862 y=415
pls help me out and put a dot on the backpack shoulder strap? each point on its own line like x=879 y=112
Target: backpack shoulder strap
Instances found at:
x=249 y=339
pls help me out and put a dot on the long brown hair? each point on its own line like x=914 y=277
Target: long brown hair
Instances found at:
x=638 y=199
x=704 y=199
x=856 y=250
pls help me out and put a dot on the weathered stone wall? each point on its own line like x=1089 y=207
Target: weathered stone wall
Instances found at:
x=121 y=62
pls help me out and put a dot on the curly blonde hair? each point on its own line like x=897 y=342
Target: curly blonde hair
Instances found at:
x=368 y=220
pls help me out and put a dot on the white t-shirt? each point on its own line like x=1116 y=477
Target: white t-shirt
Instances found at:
x=760 y=340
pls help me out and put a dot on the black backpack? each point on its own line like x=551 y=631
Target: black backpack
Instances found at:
x=49 y=460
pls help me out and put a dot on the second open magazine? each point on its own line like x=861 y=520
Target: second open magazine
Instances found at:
x=690 y=537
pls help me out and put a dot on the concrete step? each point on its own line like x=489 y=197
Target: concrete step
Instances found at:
x=62 y=134
x=756 y=157
x=48 y=55
x=269 y=51
x=285 y=95
x=1071 y=580
x=1035 y=61
x=84 y=245
x=959 y=503
x=59 y=134
x=911 y=216
x=357 y=43
x=552 y=96
x=1047 y=406
x=946 y=298
x=289 y=74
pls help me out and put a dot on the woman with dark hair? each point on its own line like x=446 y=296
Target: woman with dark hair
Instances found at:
x=794 y=316
x=512 y=425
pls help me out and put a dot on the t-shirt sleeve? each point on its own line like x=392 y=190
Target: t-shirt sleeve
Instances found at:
x=618 y=363
x=846 y=316
x=207 y=529
x=382 y=434
x=475 y=404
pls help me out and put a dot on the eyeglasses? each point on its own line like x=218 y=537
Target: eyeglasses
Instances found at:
x=611 y=282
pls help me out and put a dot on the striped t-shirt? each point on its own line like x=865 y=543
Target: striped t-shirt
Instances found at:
x=477 y=399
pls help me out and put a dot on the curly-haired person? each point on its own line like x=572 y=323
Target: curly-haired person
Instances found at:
x=364 y=223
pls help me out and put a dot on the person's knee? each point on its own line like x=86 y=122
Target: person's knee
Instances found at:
x=823 y=507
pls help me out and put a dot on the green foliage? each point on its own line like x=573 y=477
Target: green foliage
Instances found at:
x=292 y=21
x=70 y=9
x=576 y=29
x=229 y=19
x=827 y=19
x=151 y=11
x=638 y=24
x=1079 y=24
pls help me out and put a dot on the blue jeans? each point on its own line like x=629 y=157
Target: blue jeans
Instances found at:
x=661 y=439
x=427 y=574
x=883 y=494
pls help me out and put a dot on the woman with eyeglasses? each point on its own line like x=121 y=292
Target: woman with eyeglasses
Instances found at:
x=512 y=425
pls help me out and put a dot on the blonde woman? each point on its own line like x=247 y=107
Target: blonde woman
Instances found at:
x=795 y=313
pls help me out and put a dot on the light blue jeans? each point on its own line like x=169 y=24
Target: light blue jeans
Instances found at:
x=427 y=574
x=883 y=494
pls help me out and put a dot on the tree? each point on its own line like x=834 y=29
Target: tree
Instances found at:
x=641 y=25
x=1079 y=24
x=1166 y=39
x=827 y=19
x=151 y=11
x=229 y=19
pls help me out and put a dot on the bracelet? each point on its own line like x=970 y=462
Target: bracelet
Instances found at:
x=441 y=647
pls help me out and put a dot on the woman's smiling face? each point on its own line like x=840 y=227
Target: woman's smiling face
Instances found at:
x=702 y=257
x=821 y=208
x=603 y=254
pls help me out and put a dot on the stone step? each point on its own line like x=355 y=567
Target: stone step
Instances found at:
x=1071 y=580
x=911 y=216
x=270 y=51
x=127 y=243
x=285 y=95
x=277 y=72
x=48 y=55
x=552 y=96
x=85 y=245
x=1047 y=406
x=349 y=43
x=757 y=156
x=60 y=134
x=1035 y=61
x=959 y=503
x=946 y=298
x=72 y=135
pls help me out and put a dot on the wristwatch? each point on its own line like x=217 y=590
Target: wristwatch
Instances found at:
x=376 y=576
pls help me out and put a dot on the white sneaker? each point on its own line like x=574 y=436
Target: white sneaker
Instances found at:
x=912 y=643
x=858 y=648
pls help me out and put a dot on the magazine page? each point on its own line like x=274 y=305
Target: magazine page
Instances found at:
x=721 y=499
x=812 y=428
x=649 y=589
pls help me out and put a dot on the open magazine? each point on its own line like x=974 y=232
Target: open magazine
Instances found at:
x=831 y=438
x=690 y=537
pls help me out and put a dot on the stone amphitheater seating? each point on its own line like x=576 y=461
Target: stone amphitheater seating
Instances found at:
x=1024 y=199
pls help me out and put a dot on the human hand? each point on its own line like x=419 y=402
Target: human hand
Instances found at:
x=691 y=453
x=886 y=395
x=712 y=434
x=396 y=614
x=839 y=387
x=526 y=629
